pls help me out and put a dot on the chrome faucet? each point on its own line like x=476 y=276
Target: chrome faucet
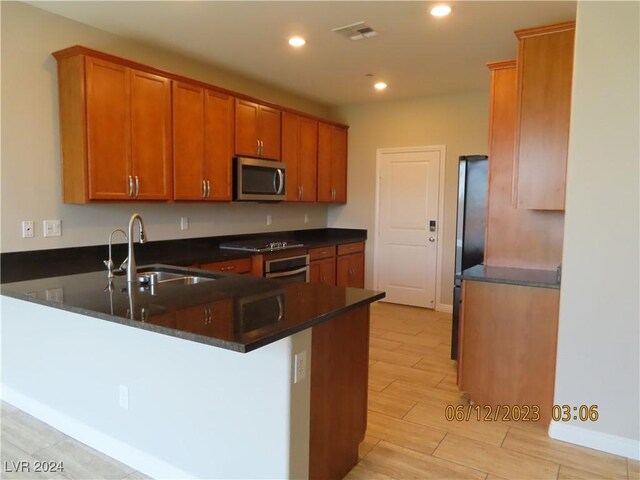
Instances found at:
x=109 y=263
x=131 y=262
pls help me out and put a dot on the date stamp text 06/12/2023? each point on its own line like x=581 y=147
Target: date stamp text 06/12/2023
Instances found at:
x=519 y=413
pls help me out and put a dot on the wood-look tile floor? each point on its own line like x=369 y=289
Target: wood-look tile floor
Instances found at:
x=412 y=380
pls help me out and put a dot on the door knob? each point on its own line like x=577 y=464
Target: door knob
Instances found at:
x=432 y=239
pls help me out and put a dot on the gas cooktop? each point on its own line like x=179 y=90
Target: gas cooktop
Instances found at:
x=261 y=246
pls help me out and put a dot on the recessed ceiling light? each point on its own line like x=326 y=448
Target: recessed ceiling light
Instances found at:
x=297 y=41
x=380 y=86
x=441 y=10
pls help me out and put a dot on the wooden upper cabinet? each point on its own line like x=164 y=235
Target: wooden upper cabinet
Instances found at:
x=188 y=142
x=218 y=142
x=115 y=124
x=332 y=163
x=203 y=143
x=300 y=153
x=544 y=69
x=258 y=130
x=151 y=135
x=108 y=127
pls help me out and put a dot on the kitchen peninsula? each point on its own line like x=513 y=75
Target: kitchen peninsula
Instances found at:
x=154 y=376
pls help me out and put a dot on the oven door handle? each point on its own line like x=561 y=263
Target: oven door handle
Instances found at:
x=288 y=273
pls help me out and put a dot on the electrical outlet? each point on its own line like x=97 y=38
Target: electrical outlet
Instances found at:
x=51 y=228
x=269 y=220
x=306 y=218
x=300 y=366
x=124 y=397
x=27 y=229
x=184 y=223
x=55 y=294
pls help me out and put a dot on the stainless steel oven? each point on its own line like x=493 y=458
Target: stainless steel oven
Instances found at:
x=289 y=269
x=259 y=180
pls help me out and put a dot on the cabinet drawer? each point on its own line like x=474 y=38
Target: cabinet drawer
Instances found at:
x=241 y=265
x=322 y=252
x=350 y=248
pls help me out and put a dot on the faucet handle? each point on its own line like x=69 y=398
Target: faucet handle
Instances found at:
x=123 y=265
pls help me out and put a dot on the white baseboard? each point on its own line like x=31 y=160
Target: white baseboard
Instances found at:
x=139 y=460
x=604 y=442
x=443 y=307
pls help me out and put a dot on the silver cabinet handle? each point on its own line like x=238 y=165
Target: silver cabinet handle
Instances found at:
x=130 y=186
x=432 y=239
x=261 y=147
x=257 y=147
x=302 y=192
x=204 y=189
x=137 y=186
x=299 y=192
x=208 y=189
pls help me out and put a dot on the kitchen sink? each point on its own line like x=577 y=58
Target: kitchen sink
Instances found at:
x=157 y=276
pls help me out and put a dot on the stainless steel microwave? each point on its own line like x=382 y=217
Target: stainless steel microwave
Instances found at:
x=259 y=180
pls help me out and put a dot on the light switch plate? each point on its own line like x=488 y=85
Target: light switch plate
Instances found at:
x=27 y=229
x=300 y=366
x=51 y=228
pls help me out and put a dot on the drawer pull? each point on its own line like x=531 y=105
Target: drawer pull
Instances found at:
x=228 y=267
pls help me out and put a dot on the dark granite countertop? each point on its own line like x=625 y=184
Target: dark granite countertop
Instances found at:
x=235 y=312
x=28 y=265
x=512 y=276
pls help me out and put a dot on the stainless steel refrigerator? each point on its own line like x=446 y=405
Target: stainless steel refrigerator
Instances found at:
x=473 y=182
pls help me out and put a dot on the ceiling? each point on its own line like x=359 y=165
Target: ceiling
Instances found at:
x=414 y=52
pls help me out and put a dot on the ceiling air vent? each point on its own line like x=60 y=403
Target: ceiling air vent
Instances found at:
x=356 y=31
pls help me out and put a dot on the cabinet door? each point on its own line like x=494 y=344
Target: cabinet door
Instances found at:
x=314 y=271
x=325 y=192
x=328 y=271
x=300 y=153
x=218 y=144
x=545 y=68
x=212 y=320
x=323 y=271
x=188 y=141
x=151 y=135
x=290 y=156
x=332 y=163
x=339 y=163
x=308 y=159
x=247 y=128
x=350 y=270
x=269 y=132
x=108 y=130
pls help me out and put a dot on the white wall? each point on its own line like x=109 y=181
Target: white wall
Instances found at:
x=599 y=335
x=195 y=411
x=458 y=121
x=30 y=168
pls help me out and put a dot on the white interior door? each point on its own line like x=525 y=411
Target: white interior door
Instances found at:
x=407 y=250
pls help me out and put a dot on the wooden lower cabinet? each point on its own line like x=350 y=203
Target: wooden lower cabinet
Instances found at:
x=339 y=378
x=240 y=265
x=323 y=271
x=508 y=345
x=350 y=270
x=214 y=319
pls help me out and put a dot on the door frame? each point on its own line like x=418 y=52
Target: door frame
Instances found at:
x=442 y=149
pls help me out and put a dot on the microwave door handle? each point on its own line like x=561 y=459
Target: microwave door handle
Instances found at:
x=288 y=273
x=278 y=181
